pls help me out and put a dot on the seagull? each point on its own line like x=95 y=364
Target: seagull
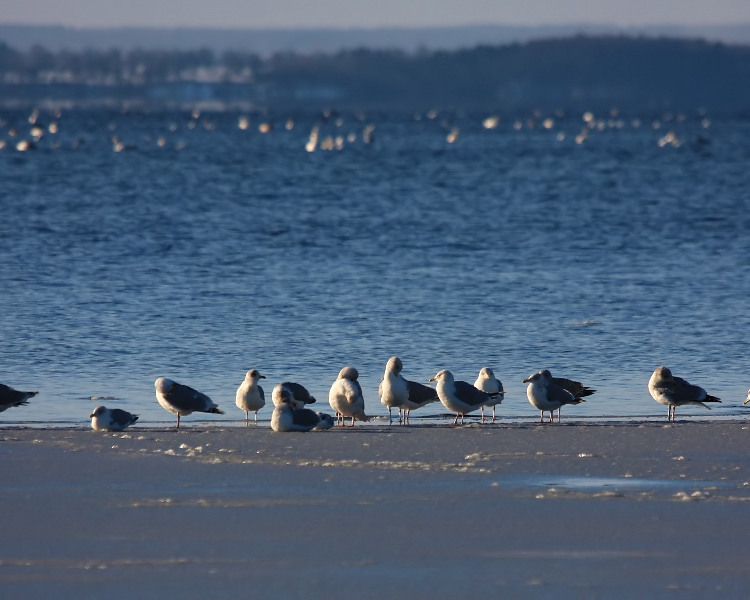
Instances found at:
x=673 y=391
x=10 y=397
x=397 y=392
x=183 y=400
x=551 y=393
x=111 y=419
x=487 y=382
x=748 y=398
x=345 y=397
x=459 y=397
x=250 y=395
x=300 y=395
x=286 y=418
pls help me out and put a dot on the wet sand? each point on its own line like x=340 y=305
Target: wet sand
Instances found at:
x=575 y=510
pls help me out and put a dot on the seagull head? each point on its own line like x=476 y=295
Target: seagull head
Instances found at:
x=98 y=412
x=444 y=375
x=254 y=374
x=394 y=365
x=536 y=378
x=349 y=373
x=163 y=385
x=486 y=373
x=663 y=373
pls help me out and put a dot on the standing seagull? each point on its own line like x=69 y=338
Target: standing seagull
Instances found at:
x=183 y=400
x=459 y=397
x=10 y=397
x=300 y=395
x=397 y=392
x=673 y=391
x=250 y=395
x=547 y=393
x=111 y=419
x=286 y=418
x=487 y=382
x=345 y=397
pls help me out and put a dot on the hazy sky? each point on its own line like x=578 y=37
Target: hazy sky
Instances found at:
x=369 y=13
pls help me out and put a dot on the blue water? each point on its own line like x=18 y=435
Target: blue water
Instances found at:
x=203 y=250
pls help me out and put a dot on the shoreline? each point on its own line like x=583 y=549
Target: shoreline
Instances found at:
x=429 y=511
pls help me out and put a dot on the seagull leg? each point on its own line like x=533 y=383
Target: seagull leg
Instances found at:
x=493 y=414
x=455 y=421
x=551 y=416
x=541 y=416
x=390 y=420
x=352 y=425
x=256 y=417
x=559 y=410
x=178 y=420
x=482 y=409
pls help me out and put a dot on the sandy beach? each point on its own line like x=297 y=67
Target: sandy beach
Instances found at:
x=595 y=510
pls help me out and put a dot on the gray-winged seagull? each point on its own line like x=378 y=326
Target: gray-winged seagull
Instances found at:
x=547 y=393
x=250 y=396
x=397 y=392
x=673 y=391
x=345 y=397
x=459 y=397
x=111 y=419
x=487 y=382
x=183 y=400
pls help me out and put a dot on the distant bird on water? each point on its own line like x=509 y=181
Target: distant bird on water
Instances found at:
x=673 y=391
x=406 y=396
x=487 y=382
x=111 y=419
x=183 y=400
x=250 y=396
x=345 y=397
x=547 y=393
x=748 y=397
x=459 y=397
x=10 y=397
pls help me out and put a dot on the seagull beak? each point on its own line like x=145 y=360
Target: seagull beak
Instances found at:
x=527 y=380
x=91 y=416
x=433 y=379
x=262 y=376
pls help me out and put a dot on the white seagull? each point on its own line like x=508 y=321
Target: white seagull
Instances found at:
x=547 y=393
x=111 y=419
x=10 y=397
x=250 y=396
x=183 y=400
x=459 y=397
x=487 y=382
x=300 y=395
x=397 y=392
x=673 y=391
x=286 y=418
x=345 y=397
x=748 y=398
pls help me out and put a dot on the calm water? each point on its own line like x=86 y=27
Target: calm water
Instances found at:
x=204 y=249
